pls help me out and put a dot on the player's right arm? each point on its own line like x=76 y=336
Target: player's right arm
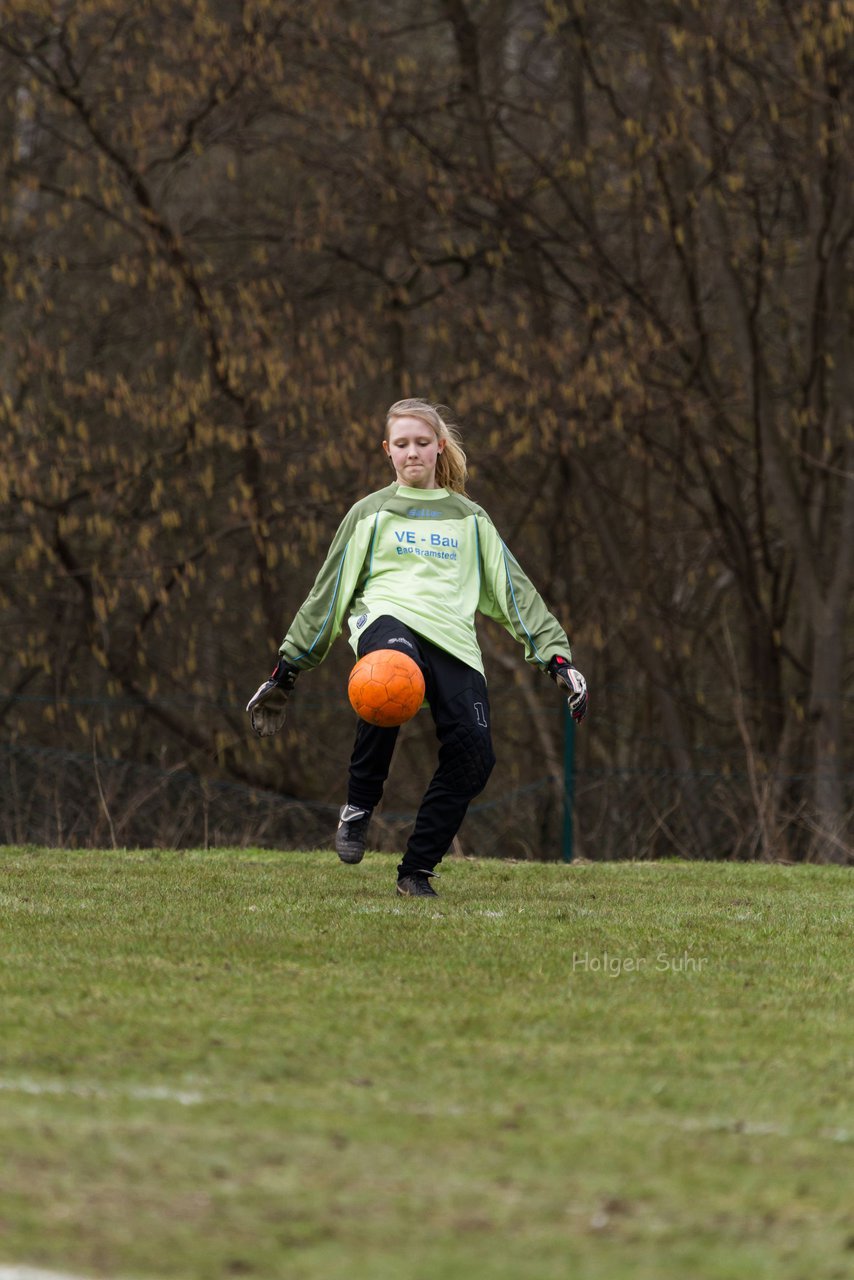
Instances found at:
x=320 y=617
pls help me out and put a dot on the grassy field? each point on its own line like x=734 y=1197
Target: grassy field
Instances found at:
x=255 y=1064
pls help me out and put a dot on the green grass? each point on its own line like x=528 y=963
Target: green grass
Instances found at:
x=254 y=1064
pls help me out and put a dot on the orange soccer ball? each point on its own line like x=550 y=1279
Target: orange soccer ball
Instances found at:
x=386 y=688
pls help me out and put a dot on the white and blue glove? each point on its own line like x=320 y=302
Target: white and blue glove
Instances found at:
x=563 y=672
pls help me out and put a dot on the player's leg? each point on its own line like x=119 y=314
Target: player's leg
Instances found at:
x=460 y=706
x=373 y=749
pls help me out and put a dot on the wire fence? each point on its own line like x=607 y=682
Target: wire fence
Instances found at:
x=52 y=796
x=60 y=785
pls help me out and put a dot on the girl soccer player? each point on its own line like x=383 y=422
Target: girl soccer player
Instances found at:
x=410 y=566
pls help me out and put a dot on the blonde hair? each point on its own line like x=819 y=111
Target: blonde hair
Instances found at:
x=451 y=463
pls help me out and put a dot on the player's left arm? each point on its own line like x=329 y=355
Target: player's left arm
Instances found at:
x=508 y=595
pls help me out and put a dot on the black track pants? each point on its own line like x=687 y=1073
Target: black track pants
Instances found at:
x=460 y=708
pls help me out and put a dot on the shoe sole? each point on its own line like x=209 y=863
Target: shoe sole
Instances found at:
x=349 y=858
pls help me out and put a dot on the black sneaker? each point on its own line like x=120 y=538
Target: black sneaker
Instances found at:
x=352 y=833
x=417 y=885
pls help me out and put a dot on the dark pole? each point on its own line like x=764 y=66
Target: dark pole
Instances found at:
x=568 y=782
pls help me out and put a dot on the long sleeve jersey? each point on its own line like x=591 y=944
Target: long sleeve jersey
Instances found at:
x=432 y=559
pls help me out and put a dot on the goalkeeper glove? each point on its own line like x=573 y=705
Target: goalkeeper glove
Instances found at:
x=563 y=672
x=267 y=707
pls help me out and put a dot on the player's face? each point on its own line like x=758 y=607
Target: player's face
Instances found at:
x=413 y=447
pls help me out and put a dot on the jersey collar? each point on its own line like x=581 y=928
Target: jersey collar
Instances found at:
x=426 y=495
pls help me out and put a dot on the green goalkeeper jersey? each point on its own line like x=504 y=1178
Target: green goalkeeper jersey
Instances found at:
x=432 y=559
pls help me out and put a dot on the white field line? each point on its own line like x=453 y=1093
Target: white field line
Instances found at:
x=34 y=1273
x=192 y=1098
x=83 y=1089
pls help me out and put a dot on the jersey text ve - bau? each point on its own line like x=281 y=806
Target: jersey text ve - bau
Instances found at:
x=432 y=559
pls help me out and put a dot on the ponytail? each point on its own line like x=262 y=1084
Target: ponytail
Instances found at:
x=451 y=469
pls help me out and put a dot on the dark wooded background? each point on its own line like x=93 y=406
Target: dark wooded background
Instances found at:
x=615 y=238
